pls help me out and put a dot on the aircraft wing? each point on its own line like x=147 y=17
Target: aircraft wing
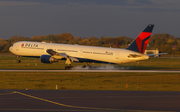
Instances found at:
x=156 y=54
x=60 y=55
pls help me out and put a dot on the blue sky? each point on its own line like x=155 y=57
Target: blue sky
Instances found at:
x=87 y=18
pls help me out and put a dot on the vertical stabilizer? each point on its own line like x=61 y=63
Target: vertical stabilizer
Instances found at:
x=140 y=43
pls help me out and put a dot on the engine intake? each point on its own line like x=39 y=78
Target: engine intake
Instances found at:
x=47 y=59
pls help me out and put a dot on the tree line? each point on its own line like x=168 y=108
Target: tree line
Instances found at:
x=163 y=42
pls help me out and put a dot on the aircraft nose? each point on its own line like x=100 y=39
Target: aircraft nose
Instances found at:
x=10 y=49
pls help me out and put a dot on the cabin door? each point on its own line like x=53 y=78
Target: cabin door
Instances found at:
x=117 y=55
x=16 y=47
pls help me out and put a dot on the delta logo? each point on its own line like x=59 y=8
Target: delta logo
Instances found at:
x=29 y=45
x=22 y=45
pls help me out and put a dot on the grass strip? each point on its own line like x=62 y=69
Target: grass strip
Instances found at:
x=34 y=63
x=91 y=81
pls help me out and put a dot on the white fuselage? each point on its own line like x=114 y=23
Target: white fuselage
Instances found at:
x=104 y=54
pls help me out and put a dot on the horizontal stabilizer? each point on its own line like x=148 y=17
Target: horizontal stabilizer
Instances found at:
x=156 y=54
x=142 y=56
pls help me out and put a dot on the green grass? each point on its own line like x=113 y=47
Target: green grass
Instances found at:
x=91 y=81
x=156 y=64
x=9 y=62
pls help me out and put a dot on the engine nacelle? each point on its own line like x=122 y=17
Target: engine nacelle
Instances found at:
x=47 y=59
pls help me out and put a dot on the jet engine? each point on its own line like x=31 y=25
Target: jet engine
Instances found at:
x=47 y=59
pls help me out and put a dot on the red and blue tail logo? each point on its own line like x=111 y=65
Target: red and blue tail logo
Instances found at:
x=140 y=43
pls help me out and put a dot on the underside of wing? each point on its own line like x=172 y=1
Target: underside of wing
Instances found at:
x=138 y=56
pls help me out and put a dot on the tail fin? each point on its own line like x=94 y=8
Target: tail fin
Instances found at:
x=140 y=43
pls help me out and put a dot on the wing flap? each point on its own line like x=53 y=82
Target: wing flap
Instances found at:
x=60 y=55
x=74 y=59
x=51 y=52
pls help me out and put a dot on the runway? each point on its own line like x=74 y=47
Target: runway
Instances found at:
x=130 y=71
x=64 y=100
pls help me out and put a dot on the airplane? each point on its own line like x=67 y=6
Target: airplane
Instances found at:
x=53 y=52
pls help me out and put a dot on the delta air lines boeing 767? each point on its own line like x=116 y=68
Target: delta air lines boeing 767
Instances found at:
x=53 y=52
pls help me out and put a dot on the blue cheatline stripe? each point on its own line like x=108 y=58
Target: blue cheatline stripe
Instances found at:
x=133 y=47
x=149 y=28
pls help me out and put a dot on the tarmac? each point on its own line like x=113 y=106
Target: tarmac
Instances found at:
x=68 y=100
x=85 y=101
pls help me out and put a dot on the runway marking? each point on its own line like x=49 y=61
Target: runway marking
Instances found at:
x=56 y=110
x=6 y=93
x=64 y=105
x=50 y=110
x=80 y=107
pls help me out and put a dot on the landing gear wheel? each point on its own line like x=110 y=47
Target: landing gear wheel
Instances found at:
x=68 y=67
x=84 y=66
x=87 y=66
x=19 y=61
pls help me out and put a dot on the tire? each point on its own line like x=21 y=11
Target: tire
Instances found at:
x=19 y=61
x=68 y=67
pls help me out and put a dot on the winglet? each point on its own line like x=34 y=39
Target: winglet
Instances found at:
x=140 y=43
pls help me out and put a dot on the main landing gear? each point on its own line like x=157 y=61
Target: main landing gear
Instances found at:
x=18 y=59
x=87 y=65
x=68 y=67
x=68 y=62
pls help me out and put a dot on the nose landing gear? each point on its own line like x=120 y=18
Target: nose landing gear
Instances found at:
x=18 y=59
